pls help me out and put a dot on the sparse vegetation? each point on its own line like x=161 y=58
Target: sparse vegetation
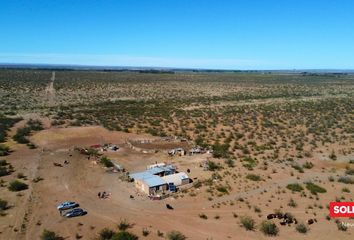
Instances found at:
x=17 y=185
x=295 y=187
x=314 y=189
x=269 y=228
x=302 y=228
x=247 y=222
x=175 y=235
x=50 y=235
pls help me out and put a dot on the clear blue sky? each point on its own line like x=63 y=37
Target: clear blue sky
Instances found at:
x=245 y=34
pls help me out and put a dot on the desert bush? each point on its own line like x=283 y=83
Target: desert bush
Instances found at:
x=292 y=203
x=349 y=171
x=145 y=232
x=4 y=150
x=123 y=235
x=341 y=226
x=105 y=234
x=295 y=187
x=333 y=156
x=21 y=135
x=269 y=228
x=314 y=189
x=3 y=204
x=50 y=235
x=107 y=162
x=124 y=225
x=253 y=177
x=298 y=168
x=17 y=185
x=302 y=228
x=4 y=171
x=308 y=165
x=3 y=163
x=212 y=166
x=346 y=180
x=175 y=235
x=222 y=189
x=247 y=222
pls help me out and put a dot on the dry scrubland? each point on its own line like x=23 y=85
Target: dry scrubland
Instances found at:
x=282 y=143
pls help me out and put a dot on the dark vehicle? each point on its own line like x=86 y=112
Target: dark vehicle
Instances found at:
x=75 y=213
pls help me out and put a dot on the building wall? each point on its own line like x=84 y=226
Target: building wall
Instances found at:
x=142 y=186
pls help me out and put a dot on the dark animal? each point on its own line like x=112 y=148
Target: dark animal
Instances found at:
x=57 y=165
x=283 y=223
x=280 y=216
x=310 y=221
x=289 y=221
x=168 y=206
x=188 y=170
x=131 y=196
x=295 y=221
x=271 y=216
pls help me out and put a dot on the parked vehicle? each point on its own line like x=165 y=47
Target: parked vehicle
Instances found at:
x=75 y=213
x=67 y=205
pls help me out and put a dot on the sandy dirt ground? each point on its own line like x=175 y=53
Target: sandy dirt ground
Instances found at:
x=35 y=209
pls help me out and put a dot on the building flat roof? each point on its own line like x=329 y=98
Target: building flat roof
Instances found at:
x=154 y=181
x=175 y=177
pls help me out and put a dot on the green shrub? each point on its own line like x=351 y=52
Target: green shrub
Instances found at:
x=107 y=162
x=302 y=228
x=333 y=156
x=3 y=204
x=4 y=171
x=269 y=228
x=308 y=165
x=146 y=232
x=247 y=222
x=295 y=187
x=253 y=177
x=292 y=203
x=50 y=235
x=21 y=135
x=4 y=150
x=341 y=226
x=17 y=185
x=175 y=235
x=105 y=234
x=212 y=166
x=222 y=189
x=346 y=180
x=220 y=150
x=298 y=168
x=3 y=163
x=349 y=171
x=124 y=225
x=123 y=235
x=314 y=189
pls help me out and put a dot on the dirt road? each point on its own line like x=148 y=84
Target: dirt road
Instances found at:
x=50 y=91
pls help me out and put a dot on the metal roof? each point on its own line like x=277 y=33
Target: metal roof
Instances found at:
x=175 y=178
x=154 y=181
x=151 y=172
x=140 y=175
